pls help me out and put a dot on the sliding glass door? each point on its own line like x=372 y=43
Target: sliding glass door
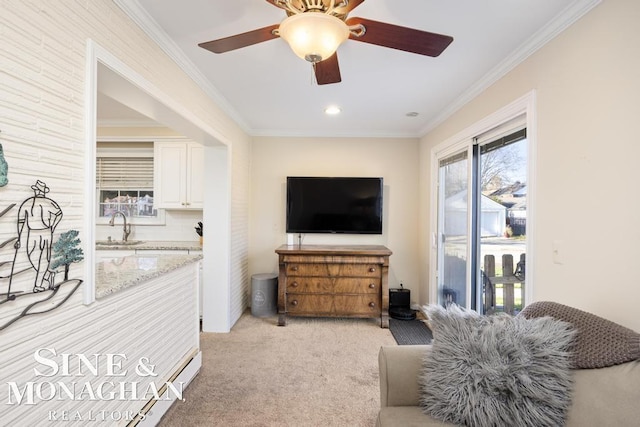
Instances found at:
x=453 y=229
x=502 y=223
x=481 y=222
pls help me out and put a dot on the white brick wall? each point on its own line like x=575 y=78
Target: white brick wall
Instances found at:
x=239 y=232
x=155 y=321
x=42 y=68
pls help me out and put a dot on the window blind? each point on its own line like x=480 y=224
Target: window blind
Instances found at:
x=124 y=173
x=453 y=159
x=505 y=140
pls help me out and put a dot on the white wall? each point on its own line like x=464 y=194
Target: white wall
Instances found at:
x=587 y=87
x=179 y=225
x=239 y=230
x=42 y=88
x=396 y=160
x=112 y=325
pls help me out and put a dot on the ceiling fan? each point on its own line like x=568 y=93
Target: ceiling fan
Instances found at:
x=315 y=28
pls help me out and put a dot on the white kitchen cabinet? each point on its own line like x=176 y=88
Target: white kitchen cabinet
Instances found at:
x=178 y=169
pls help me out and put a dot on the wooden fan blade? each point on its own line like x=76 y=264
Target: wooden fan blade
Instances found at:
x=240 y=40
x=349 y=7
x=401 y=38
x=328 y=71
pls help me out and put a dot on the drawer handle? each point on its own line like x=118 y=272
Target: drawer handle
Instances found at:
x=372 y=304
x=294 y=302
x=372 y=270
x=372 y=286
x=294 y=268
x=294 y=284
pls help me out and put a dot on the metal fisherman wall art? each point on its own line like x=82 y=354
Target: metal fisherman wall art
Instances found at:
x=28 y=282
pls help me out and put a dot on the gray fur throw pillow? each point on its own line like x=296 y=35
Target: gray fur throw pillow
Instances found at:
x=599 y=342
x=490 y=371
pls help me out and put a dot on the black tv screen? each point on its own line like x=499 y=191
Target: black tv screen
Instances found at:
x=334 y=205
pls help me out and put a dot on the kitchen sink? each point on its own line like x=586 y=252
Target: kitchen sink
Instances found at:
x=113 y=243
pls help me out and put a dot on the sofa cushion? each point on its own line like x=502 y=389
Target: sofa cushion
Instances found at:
x=606 y=396
x=599 y=342
x=496 y=370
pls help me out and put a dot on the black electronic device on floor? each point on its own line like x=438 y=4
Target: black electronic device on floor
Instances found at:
x=400 y=304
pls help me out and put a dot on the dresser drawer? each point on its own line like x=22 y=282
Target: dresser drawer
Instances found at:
x=357 y=285
x=314 y=285
x=310 y=270
x=357 y=304
x=309 y=304
x=333 y=270
x=344 y=285
x=360 y=270
x=338 y=305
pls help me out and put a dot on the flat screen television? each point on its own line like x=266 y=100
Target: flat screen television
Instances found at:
x=346 y=205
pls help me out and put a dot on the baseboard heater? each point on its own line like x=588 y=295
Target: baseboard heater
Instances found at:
x=154 y=410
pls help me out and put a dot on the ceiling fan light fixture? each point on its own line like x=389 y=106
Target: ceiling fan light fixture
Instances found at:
x=314 y=36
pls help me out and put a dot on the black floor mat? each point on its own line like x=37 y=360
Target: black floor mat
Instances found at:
x=410 y=332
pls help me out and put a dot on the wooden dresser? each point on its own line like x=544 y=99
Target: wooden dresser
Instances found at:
x=333 y=281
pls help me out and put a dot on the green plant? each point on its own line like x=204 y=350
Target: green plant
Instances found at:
x=66 y=250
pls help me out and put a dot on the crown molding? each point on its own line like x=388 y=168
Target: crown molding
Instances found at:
x=564 y=20
x=322 y=133
x=142 y=18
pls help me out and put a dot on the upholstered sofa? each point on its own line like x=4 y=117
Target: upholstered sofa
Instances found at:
x=602 y=396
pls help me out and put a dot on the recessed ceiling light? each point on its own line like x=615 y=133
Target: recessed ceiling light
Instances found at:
x=332 y=110
x=412 y=114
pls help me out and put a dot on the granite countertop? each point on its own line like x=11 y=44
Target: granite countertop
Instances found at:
x=165 y=245
x=117 y=274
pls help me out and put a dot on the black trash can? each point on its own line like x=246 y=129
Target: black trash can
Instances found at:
x=264 y=294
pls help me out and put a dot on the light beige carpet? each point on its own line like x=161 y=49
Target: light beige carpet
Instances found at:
x=313 y=372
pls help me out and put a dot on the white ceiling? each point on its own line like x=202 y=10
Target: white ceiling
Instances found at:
x=270 y=91
x=112 y=112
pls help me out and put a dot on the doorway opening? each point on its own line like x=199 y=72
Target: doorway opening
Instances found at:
x=110 y=77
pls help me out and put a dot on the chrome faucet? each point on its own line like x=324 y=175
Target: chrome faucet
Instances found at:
x=126 y=230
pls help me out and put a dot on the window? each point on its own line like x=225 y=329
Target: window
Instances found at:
x=483 y=199
x=124 y=182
